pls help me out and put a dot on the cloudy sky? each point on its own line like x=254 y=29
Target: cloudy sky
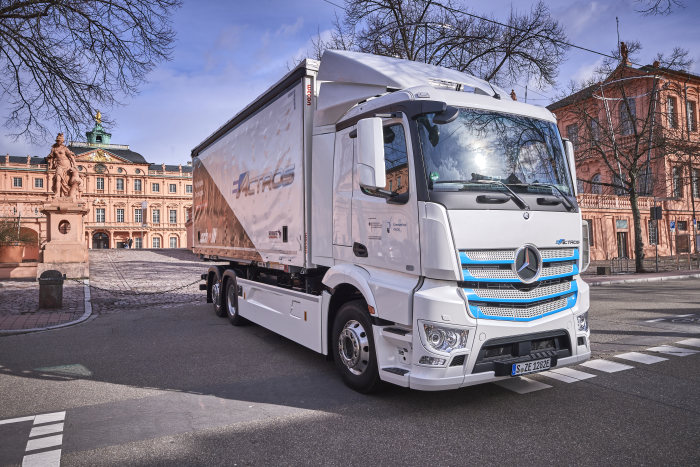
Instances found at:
x=228 y=52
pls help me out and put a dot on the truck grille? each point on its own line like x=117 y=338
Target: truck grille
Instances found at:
x=494 y=290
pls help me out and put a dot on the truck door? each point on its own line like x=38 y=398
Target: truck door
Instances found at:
x=343 y=162
x=385 y=230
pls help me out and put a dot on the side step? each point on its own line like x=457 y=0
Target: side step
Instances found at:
x=396 y=371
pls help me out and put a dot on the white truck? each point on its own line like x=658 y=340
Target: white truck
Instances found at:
x=412 y=222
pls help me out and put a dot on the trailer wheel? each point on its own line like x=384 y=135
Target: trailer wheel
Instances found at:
x=231 y=305
x=217 y=298
x=353 y=347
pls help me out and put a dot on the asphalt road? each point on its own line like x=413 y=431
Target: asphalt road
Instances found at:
x=179 y=386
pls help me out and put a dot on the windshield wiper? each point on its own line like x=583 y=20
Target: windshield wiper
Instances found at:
x=557 y=192
x=516 y=199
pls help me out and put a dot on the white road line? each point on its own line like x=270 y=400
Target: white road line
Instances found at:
x=690 y=342
x=571 y=373
x=606 y=366
x=41 y=443
x=671 y=350
x=16 y=420
x=43 y=459
x=654 y=320
x=50 y=417
x=46 y=430
x=685 y=316
x=522 y=385
x=559 y=377
x=641 y=358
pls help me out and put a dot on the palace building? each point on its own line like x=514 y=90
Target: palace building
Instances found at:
x=637 y=127
x=128 y=197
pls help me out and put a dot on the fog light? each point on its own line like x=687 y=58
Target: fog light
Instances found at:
x=425 y=360
x=445 y=339
x=582 y=322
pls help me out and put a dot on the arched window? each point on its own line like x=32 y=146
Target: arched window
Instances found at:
x=580 y=186
x=628 y=115
x=595 y=185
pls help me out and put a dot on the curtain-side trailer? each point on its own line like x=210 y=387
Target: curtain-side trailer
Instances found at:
x=407 y=220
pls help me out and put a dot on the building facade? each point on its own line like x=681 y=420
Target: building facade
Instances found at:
x=639 y=127
x=128 y=197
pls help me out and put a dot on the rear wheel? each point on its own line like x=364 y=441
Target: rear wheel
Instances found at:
x=216 y=297
x=353 y=347
x=231 y=304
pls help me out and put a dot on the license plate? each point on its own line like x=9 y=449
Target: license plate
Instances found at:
x=530 y=367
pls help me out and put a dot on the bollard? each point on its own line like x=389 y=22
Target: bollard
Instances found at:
x=51 y=289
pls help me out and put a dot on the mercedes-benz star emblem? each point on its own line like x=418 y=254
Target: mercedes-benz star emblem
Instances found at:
x=528 y=264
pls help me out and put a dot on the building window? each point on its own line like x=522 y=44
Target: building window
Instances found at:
x=187 y=215
x=173 y=242
x=100 y=183
x=696 y=175
x=120 y=215
x=682 y=225
x=188 y=188
x=38 y=183
x=677 y=182
x=137 y=185
x=653 y=235
x=17 y=182
x=138 y=215
x=572 y=134
x=138 y=243
x=692 y=116
x=645 y=182
x=580 y=187
x=628 y=114
x=156 y=216
x=595 y=130
x=590 y=231
x=155 y=187
x=156 y=242
x=120 y=184
x=620 y=189
x=100 y=215
x=172 y=188
x=596 y=188
x=671 y=112
x=173 y=216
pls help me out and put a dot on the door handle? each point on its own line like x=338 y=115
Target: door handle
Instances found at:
x=359 y=249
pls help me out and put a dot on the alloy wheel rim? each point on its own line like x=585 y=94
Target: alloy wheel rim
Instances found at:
x=353 y=347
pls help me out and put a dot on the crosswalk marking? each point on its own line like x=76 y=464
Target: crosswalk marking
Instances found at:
x=571 y=373
x=42 y=459
x=559 y=377
x=522 y=385
x=606 y=366
x=16 y=420
x=654 y=320
x=671 y=350
x=49 y=417
x=640 y=358
x=42 y=443
x=690 y=342
x=46 y=430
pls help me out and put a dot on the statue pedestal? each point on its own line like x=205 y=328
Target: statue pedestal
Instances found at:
x=65 y=250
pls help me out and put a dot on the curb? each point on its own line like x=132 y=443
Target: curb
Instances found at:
x=641 y=279
x=86 y=314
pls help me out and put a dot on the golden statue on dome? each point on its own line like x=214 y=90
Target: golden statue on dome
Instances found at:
x=98 y=118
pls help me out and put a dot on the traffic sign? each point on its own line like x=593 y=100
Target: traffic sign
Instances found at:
x=673 y=226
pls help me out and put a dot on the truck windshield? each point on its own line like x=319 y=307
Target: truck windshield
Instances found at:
x=481 y=150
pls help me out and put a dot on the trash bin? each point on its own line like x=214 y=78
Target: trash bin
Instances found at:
x=51 y=289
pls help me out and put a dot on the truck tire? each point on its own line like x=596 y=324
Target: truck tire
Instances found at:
x=217 y=296
x=230 y=304
x=352 y=347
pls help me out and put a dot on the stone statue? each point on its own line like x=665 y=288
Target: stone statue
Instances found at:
x=66 y=181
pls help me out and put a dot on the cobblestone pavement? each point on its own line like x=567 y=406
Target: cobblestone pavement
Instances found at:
x=124 y=279
x=19 y=305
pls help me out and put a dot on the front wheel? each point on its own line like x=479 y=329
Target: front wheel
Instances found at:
x=353 y=347
x=232 y=303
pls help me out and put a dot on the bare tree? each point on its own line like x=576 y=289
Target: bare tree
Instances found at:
x=658 y=7
x=618 y=121
x=60 y=59
x=528 y=44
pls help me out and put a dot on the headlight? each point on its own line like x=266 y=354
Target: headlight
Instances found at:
x=585 y=246
x=582 y=322
x=444 y=339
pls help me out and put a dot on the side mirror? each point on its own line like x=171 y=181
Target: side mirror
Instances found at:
x=370 y=153
x=569 y=150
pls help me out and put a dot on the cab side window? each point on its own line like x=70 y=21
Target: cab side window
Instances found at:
x=395 y=159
